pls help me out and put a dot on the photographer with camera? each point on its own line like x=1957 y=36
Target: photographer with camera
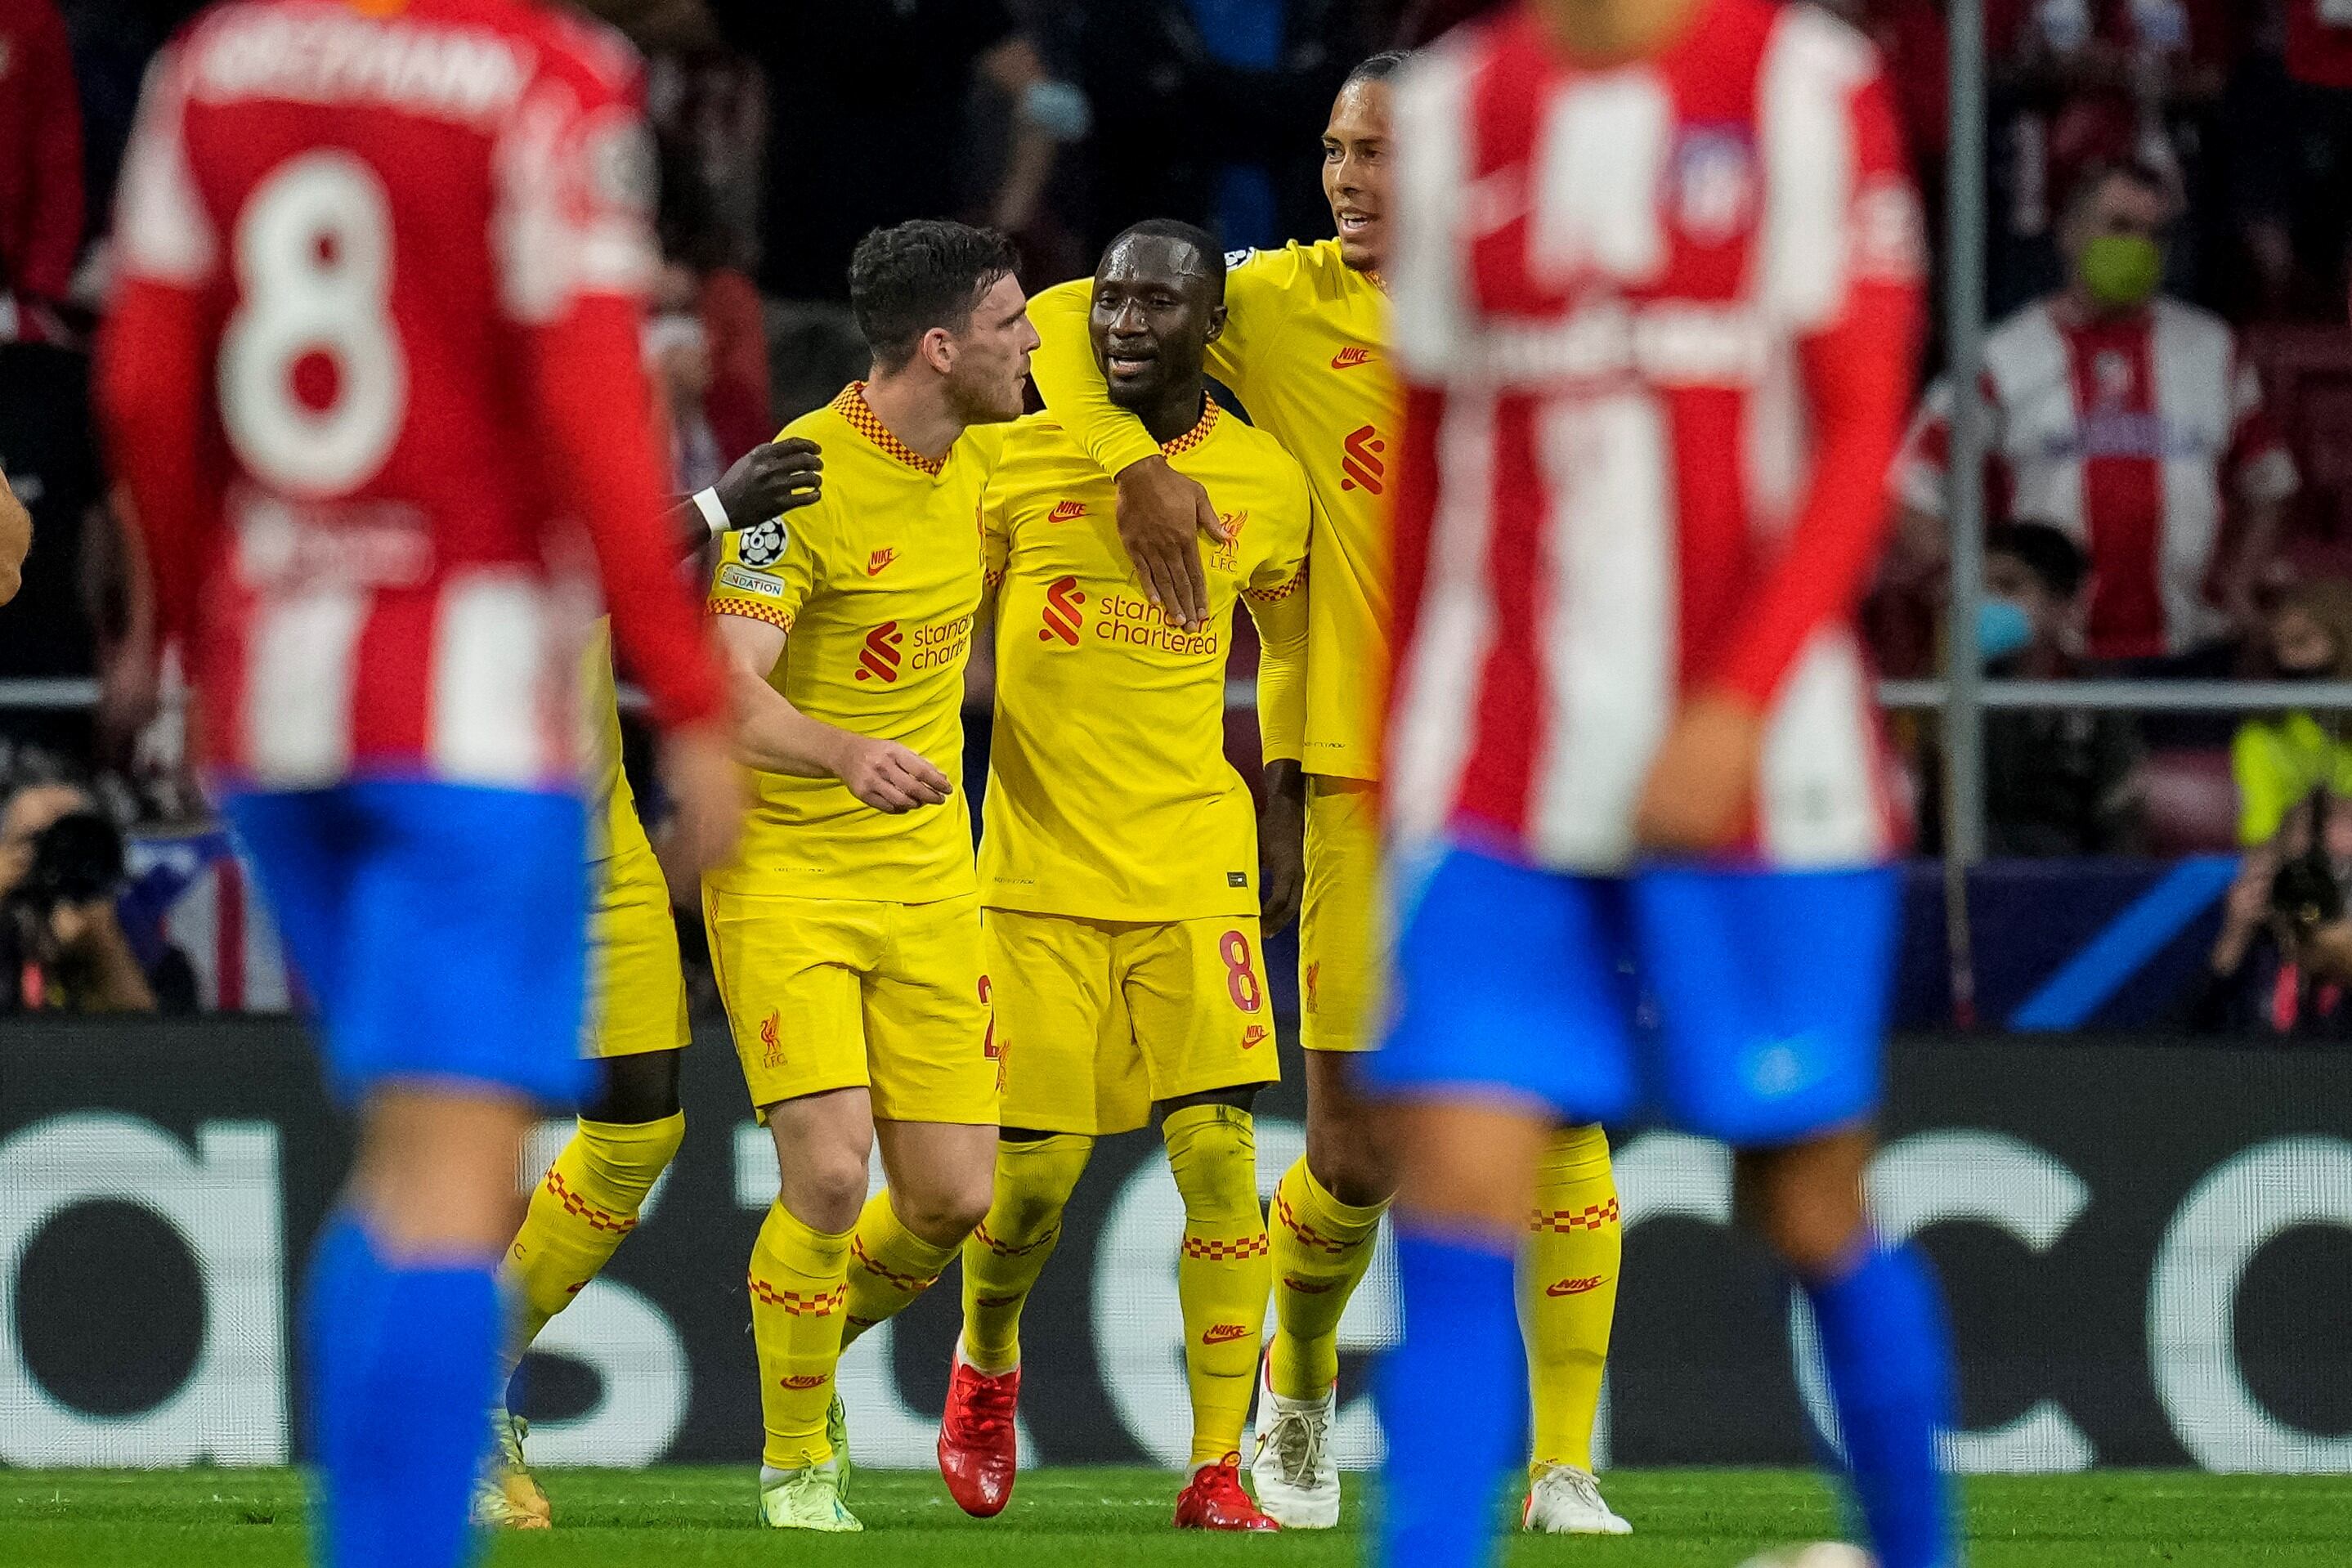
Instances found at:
x=2283 y=962
x=62 y=946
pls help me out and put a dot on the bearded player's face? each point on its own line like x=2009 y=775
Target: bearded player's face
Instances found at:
x=1355 y=173
x=991 y=357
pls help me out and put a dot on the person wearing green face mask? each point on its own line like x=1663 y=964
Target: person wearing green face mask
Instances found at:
x=2128 y=420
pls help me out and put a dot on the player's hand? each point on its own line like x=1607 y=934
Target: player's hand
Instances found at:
x=1161 y=515
x=1282 y=847
x=770 y=480
x=706 y=792
x=1700 y=785
x=888 y=776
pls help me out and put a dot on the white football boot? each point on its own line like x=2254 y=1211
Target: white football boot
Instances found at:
x=1565 y=1500
x=1296 y=1478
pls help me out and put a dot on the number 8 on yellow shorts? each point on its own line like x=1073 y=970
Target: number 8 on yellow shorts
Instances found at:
x=826 y=994
x=1097 y=1019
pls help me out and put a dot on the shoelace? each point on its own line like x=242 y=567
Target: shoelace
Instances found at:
x=1298 y=1440
x=1583 y=1487
x=1224 y=1485
x=986 y=1413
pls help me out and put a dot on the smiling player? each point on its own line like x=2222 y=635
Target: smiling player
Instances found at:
x=1121 y=870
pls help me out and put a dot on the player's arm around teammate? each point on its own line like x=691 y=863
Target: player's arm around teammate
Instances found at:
x=630 y=1125
x=846 y=935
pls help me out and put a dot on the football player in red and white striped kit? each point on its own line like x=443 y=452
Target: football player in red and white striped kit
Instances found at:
x=373 y=384
x=1657 y=289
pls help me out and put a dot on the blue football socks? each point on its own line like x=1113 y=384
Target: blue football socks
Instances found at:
x=1453 y=1400
x=1887 y=1352
x=402 y=1365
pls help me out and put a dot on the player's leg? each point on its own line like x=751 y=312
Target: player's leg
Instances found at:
x=1049 y=984
x=1567 y=1303
x=1505 y=1026
x=1327 y=1209
x=1199 y=1014
x=1774 y=991
x=483 y=889
x=790 y=973
x=587 y=1201
x=929 y=1056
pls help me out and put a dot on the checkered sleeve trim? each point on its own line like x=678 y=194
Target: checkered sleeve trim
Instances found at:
x=1274 y=596
x=980 y=1235
x=752 y=610
x=1308 y=1237
x=581 y=1209
x=912 y=1284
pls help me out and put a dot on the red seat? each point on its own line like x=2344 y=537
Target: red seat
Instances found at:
x=2192 y=803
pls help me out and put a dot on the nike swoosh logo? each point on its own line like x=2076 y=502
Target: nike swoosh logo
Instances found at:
x=1574 y=1287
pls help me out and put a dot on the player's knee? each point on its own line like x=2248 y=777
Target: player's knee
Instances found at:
x=943 y=1211
x=1809 y=1212
x=1213 y=1153
x=826 y=1187
x=1346 y=1155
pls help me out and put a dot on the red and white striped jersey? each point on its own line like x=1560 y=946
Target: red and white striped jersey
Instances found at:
x=1657 y=324
x=2132 y=436
x=374 y=386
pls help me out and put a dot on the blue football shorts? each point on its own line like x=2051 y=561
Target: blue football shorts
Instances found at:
x=439 y=929
x=1744 y=1004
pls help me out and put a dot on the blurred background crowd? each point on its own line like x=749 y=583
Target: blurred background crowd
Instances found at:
x=2170 y=382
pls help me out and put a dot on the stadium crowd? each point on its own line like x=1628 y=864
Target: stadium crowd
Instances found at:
x=2170 y=379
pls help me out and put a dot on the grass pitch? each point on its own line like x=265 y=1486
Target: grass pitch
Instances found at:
x=682 y=1518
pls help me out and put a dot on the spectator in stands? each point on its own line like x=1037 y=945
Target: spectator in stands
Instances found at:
x=678 y=358
x=2130 y=421
x=16 y=539
x=2279 y=760
x=2056 y=783
x=2291 y=177
x=61 y=944
x=41 y=172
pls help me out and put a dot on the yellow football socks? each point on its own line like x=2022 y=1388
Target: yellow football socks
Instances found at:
x=889 y=1266
x=1321 y=1248
x=1568 y=1292
x=580 y=1213
x=1003 y=1256
x=1223 y=1273
x=800 y=1285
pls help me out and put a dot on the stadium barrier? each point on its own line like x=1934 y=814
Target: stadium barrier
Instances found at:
x=2147 y=1247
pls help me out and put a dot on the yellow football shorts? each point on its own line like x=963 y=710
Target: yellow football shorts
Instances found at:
x=826 y=994
x=1338 y=951
x=1097 y=1019
x=636 y=1000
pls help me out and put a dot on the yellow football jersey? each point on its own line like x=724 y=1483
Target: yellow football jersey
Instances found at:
x=1108 y=793
x=877 y=582
x=1305 y=349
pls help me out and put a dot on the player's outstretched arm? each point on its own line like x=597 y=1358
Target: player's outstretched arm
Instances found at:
x=769 y=480
x=1280 y=613
x=775 y=737
x=1161 y=513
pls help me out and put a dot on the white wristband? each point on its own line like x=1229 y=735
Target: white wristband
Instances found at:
x=712 y=512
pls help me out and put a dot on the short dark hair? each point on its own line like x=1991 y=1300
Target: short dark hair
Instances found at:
x=2093 y=178
x=2053 y=557
x=904 y=281
x=1378 y=68
x=1177 y=229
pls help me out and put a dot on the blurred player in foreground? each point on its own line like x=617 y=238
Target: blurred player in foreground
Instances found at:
x=1657 y=288
x=1121 y=868
x=372 y=370
x=630 y=1125
x=1305 y=349
x=846 y=935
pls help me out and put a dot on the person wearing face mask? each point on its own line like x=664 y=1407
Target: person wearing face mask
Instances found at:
x=2057 y=784
x=2129 y=421
x=2278 y=760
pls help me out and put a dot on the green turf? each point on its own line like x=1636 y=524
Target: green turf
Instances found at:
x=680 y=1518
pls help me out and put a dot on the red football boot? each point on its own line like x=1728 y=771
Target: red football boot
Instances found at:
x=978 y=1450
x=1215 y=1500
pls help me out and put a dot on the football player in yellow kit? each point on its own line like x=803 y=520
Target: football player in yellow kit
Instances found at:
x=1121 y=882
x=1305 y=350
x=846 y=935
x=587 y=1201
